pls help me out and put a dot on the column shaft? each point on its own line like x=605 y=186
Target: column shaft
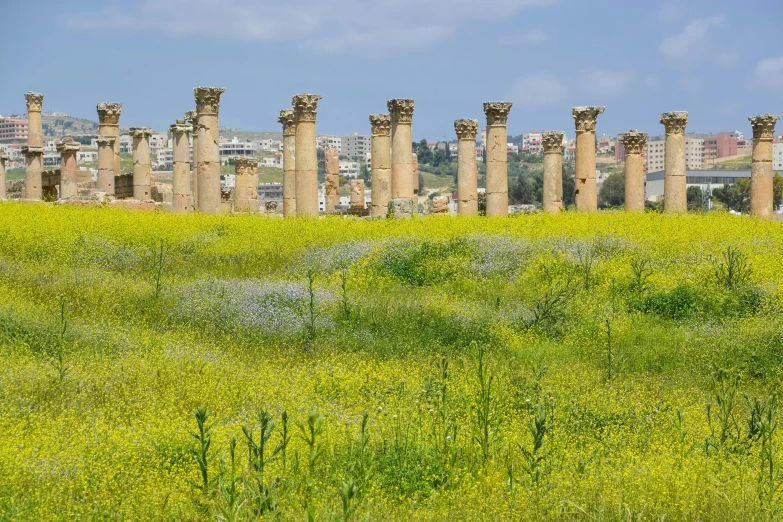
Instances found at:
x=401 y=114
x=287 y=119
x=586 y=194
x=33 y=168
x=467 y=170
x=634 y=143
x=332 y=182
x=3 y=158
x=675 y=198
x=106 y=164
x=553 y=171
x=761 y=176
x=208 y=170
x=192 y=118
x=68 y=168
x=306 y=163
x=142 y=176
x=497 y=158
x=381 y=164
x=34 y=124
x=246 y=188
x=181 y=177
x=109 y=125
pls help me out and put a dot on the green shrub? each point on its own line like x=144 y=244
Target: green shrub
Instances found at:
x=678 y=303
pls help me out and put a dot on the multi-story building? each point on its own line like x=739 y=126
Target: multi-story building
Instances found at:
x=327 y=140
x=512 y=148
x=704 y=179
x=355 y=146
x=165 y=158
x=655 y=152
x=349 y=169
x=236 y=149
x=531 y=143
x=270 y=191
x=777 y=157
x=126 y=144
x=604 y=144
x=13 y=129
x=570 y=150
x=275 y=161
x=85 y=156
x=158 y=141
x=268 y=145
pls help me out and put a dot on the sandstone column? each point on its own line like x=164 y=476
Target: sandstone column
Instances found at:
x=208 y=169
x=68 y=169
x=633 y=143
x=109 y=125
x=192 y=118
x=467 y=171
x=553 y=171
x=357 y=194
x=3 y=158
x=106 y=164
x=415 y=177
x=34 y=125
x=286 y=118
x=33 y=156
x=586 y=194
x=246 y=188
x=306 y=163
x=381 y=164
x=332 y=161
x=675 y=197
x=761 y=186
x=142 y=177
x=497 y=157
x=180 y=188
x=401 y=113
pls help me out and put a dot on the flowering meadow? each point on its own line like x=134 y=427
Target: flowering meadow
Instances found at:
x=573 y=367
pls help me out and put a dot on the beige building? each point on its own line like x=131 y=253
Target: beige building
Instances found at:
x=655 y=151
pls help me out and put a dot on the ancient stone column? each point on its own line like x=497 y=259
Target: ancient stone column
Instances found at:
x=332 y=161
x=675 y=196
x=180 y=188
x=415 y=175
x=3 y=158
x=381 y=164
x=306 y=163
x=497 y=157
x=106 y=164
x=633 y=143
x=761 y=185
x=68 y=168
x=191 y=117
x=467 y=171
x=33 y=157
x=553 y=171
x=246 y=188
x=586 y=194
x=208 y=170
x=34 y=125
x=142 y=177
x=357 y=194
x=401 y=113
x=287 y=119
x=109 y=125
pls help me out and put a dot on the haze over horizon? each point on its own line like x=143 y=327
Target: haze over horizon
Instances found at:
x=714 y=59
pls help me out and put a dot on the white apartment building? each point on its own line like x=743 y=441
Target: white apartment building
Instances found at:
x=531 y=143
x=355 y=146
x=513 y=148
x=350 y=169
x=327 y=140
x=275 y=161
x=158 y=141
x=126 y=144
x=268 y=145
x=236 y=149
x=368 y=161
x=656 y=153
x=165 y=158
x=777 y=158
x=86 y=156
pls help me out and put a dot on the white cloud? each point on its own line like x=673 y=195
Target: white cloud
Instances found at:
x=602 y=81
x=538 y=90
x=670 y=12
x=328 y=26
x=727 y=58
x=691 y=43
x=521 y=38
x=769 y=73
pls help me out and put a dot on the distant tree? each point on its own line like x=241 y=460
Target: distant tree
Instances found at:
x=653 y=206
x=423 y=152
x=736 y=197
x=439 y=158
x=482 y=203
x=569 y=184
x=612 y=193
x=695 y=198
x=448 y=153
x=777 y=190
x=365 y=174
x=421 y=184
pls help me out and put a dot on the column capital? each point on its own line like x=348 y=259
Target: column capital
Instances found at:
x=763 y=126
x=68 y=146
x=109 y=113
x=104 y=141
x=674 y=122
x=497 y=112
x=585 y=117
x=181 y=127
x=401 y=110
x=466 y=129
x=552 y=141
x=305 y=106
x=191 y=117
x=3 y=156
x=32 y=151
x=287 y=119
x=381 y=124
x=207 y=99
x=34 y=101
x=245 y=165
x=633 y=141
x=140 y=132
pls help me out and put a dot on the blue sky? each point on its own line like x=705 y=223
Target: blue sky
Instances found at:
x=720 y=60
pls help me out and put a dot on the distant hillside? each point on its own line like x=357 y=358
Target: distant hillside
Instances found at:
x=59 y=126
x=243 y=135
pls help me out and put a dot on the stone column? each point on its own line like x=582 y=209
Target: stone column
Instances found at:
x=142 y=177
x=357 y=194
x=208 y=169
x=675 y=196
x=761 y=184
x=553 y=171
x=381 y=164
x=3 y=158
x=401 y=113
x=497 y=157
x=415 y=176
x=633 y=143
x=180 y=188
x=586 y=193
x=106 y=164
x=68 y=169
x=305 y=107
x=33 y=168
x=332 y=161
x=467 y=171
x=34 y=125
x=191 y=117
x=288 y=121
x=246 y=188
x=109 y=125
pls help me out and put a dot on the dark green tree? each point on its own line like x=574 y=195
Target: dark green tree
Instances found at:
x=569 y=185
x=735 y=197
x=695 y=198
x=612 y=193
x=423 y=152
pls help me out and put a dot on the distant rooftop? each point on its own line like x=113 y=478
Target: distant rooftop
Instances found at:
x=714 y=173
